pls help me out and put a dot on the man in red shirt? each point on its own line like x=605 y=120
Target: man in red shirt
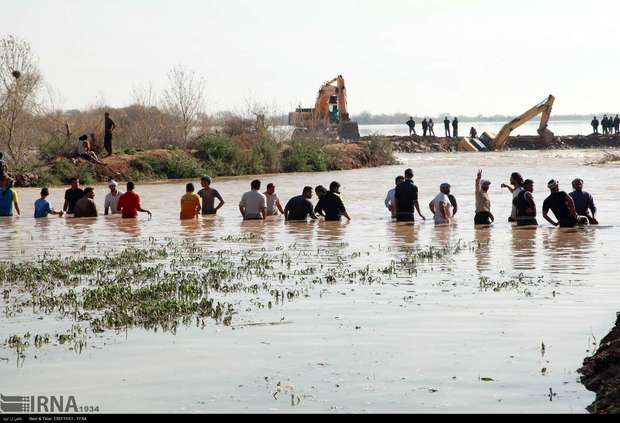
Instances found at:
x=129 y=203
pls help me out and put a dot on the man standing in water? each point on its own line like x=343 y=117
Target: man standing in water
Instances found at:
x=563 y=207
x=8 y=197
x=110 y=204
x=406 y=199
x=389 y=198
x=190 y=203
x=455 y=127
x=300 y=207
x=524 y=204
x=411 y=124
x=273 y=201
x=584 y=203
x=109 y=127
x=129 y=203
x=446 y=125
x=483 y=214
x=516 y=180
x=85 y=206
x=331 y=205
x=440 y=206
x=253 y=204
x=208 y=196
x=72 y=195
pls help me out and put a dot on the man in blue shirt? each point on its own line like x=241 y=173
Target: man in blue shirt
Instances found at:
x=42 y=207
x=584 y=203
x=8 y=197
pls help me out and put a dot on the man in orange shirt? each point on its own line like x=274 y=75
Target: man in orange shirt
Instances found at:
x=190 y=203
x=129 y=203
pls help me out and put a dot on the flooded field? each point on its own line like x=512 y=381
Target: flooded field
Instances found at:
x=344 y=317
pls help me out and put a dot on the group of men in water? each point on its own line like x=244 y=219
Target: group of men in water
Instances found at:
x=610 y=126
x=576 y=208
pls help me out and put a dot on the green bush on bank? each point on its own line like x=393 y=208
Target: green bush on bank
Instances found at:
x=177 y=166
x=304 y=157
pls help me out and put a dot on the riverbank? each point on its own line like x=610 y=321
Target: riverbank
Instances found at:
x=215 y=157
x=601 y=373
x=419 y=144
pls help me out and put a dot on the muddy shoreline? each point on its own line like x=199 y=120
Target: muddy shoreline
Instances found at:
x=601 y=373
x=419 y=144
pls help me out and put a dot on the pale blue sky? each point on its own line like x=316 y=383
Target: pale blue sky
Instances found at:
x=419 y=57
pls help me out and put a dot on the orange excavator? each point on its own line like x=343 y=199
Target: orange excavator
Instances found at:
x=329 y=114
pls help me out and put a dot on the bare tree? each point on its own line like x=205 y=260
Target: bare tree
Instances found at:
x=184 y=98
x=20 y=81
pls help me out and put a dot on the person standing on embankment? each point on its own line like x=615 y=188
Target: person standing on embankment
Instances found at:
x=411 y=124
x=446 y=125
x=594 y=124
x=455 y=127
x=109 y=127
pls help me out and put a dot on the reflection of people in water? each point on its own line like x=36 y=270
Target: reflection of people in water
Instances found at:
x=523 y=249
x=574 y=246
x=483 y=239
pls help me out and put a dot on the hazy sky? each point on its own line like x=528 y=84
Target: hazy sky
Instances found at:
x=419 y=57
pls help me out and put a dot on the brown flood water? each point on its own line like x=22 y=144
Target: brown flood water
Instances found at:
x=420 y=344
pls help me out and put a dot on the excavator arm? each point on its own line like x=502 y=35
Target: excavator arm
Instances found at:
x=500 y=141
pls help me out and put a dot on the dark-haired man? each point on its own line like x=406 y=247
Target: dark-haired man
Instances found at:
x=109 y=127
x=300 y=207
x=253 y=204
x=524 y=205
x=85 y=206
x=584 y=202
x=129 y=203
x=72 y=195
x=331 y=205
x=406 y=199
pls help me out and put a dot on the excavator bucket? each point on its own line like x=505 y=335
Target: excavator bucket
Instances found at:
x=348 y=130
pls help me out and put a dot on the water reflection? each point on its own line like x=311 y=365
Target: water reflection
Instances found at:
x=331 y=231
x=442 y=234
x=403 y=234
x=130 y=227
x=524 y=247
x=297 y=230
x=482 y=235
x=568 y=249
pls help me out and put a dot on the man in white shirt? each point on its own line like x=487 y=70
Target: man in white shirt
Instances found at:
x=441 y=206
x=273 y=201
x=111 y=199
x=389 y=198
x=253 y=204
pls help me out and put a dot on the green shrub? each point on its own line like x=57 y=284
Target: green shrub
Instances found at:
x=304 y=157
x=64 y=170
x=141 y=165
x=47 y=179
x=178 y=166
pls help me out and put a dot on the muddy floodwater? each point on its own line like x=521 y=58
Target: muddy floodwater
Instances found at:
x=498 y=322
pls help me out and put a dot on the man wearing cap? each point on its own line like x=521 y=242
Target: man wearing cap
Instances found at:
x=441 y=206
x=584 y=203
x=208 y=196
x=562 y=205
x=111 y=199
x=483 y=214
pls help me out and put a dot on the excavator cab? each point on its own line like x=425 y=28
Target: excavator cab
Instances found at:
x=329 y=118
